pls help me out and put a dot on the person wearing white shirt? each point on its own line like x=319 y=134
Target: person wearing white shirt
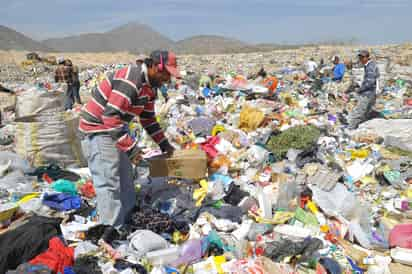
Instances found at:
x=310 y=68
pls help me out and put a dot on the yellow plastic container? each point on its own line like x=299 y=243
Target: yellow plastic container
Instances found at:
x=312 y=207
x=359 y=153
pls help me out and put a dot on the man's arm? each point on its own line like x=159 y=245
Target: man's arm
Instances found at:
x=152 y=127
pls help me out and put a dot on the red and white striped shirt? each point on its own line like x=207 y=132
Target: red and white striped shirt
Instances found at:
x=115 y=102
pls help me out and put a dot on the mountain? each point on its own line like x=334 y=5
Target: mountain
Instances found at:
x=209 y=44
x=132 y=37
x=11 y=39
x=140 y=38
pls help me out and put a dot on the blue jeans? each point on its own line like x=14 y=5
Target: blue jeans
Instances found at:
x=76 y=92
x=69 y=100
x=112 y=175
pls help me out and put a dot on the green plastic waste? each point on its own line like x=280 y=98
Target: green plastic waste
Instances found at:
x=400 y=83
x=64 y=186
x=306 y=217
x=214 y=239
x=218 y=204
x=393 y=177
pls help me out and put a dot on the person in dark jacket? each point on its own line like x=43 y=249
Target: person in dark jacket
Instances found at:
x=366 y=93
x=64 y=75
x=76 y=82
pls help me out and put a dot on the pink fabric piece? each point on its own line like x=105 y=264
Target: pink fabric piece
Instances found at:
x=209 y=146
x=401 y=236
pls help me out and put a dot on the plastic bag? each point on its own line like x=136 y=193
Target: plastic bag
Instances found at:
x=206 y=267
x=360 y=235
x=257 y=155
x=190 y=252
x=64 y=186
x=338 y=202
x=401 y=236
x=250 y=118
x=50 y=138
x=144 y=241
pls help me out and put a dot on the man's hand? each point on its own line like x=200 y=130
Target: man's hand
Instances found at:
x=136 y=159
x=169 y=151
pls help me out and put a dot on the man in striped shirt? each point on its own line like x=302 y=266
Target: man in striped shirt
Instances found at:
x=110 y=150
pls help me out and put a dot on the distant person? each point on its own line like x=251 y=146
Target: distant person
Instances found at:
x=366 y=93
x=338 y=69
x=192 y=80
x=349 y=64
x=269 y=81
x=76 y=83
x=207 y=80
x=321 y=68
x=64 y=76
x=311 y=68
x=140 y=59
x=107 y=144
x=262 y=73
x=322 y=63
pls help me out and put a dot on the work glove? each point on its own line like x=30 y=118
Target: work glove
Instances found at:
x=136 y=159
x=169 y=150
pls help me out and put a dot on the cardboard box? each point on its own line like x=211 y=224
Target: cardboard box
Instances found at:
x=184 y=164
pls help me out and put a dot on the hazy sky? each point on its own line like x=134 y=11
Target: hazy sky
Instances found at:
x=292 y=21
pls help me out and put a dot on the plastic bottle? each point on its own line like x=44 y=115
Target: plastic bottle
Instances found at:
x=359 y=153
x=287 y=192
x=264 y=203
x=319 y=216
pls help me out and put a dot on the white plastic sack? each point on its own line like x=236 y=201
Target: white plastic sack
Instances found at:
x=144 y=241
x=338 y=202
x=34 y=102
x=395 y=132
x=52 y=138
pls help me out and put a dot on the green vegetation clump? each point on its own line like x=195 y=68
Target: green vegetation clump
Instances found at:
x=300 y=137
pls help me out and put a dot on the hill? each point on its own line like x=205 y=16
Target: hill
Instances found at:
x=210 y=44
x=11 y=39
x=132 y=37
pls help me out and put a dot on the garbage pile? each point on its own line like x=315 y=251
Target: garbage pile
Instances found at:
x=261 y=182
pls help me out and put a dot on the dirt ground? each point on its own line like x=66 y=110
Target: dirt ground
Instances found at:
x=401 y=54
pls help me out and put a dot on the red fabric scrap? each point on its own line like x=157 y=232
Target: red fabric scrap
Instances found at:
x=87 y=190
x=57 y=257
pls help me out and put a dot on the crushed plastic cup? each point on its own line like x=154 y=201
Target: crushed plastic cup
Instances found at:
x=164 y=256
